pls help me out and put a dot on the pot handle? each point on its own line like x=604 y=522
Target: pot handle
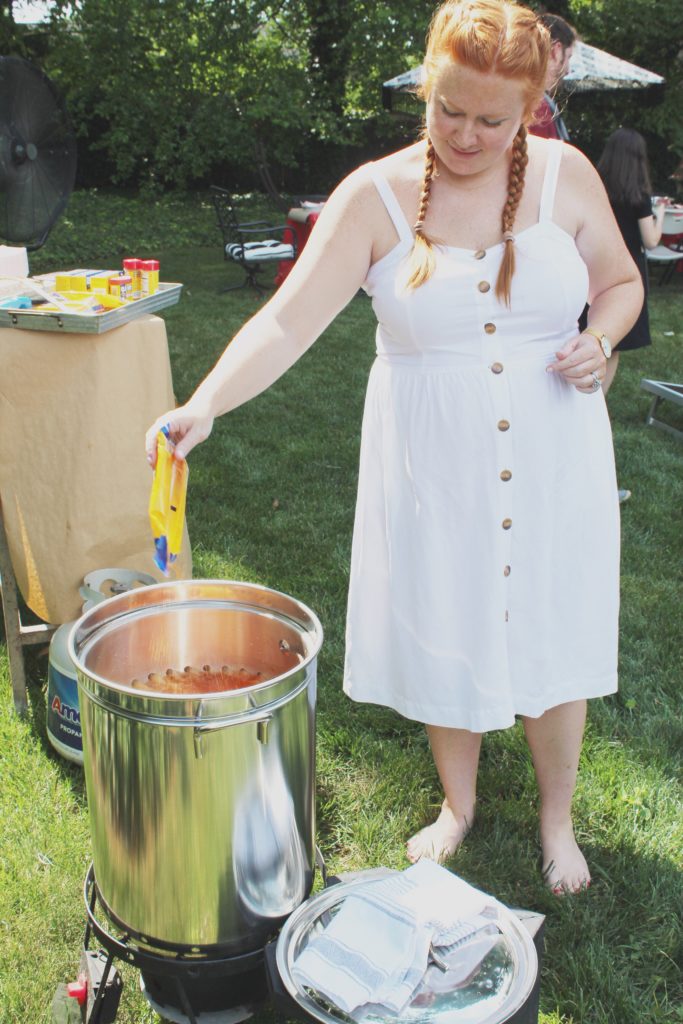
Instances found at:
x=201 y=730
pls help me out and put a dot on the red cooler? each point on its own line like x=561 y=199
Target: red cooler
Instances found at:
x=300 y=220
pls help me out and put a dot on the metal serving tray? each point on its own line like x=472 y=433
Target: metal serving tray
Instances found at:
x=97 y=323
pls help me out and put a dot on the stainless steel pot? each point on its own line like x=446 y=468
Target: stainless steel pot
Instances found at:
x=201 y=807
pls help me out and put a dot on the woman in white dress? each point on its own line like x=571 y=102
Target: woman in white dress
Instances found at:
x=484 y=576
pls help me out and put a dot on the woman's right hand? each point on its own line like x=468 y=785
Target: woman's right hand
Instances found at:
x=187 y=426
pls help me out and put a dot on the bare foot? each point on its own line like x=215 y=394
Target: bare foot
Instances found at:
x=564 y=866
x=440 y=840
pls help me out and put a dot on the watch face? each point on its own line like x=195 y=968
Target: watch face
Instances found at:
x=605 y=346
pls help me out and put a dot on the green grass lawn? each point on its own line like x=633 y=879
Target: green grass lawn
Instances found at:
x=271 y=500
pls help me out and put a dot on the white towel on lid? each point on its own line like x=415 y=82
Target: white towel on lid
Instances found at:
x=376 y=948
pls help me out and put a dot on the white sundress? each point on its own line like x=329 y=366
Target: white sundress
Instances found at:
x=485 y=562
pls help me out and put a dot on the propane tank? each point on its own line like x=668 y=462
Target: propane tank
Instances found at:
x=63 y=716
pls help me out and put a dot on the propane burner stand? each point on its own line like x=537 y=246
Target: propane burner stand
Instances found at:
x=191 y=985
x=184 y=983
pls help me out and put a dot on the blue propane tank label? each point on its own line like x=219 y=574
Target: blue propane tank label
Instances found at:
x=63 y=716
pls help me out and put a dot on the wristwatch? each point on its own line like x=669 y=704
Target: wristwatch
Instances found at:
x=602 y=340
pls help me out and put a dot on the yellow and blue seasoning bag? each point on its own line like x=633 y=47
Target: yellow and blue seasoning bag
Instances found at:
x=167 y=503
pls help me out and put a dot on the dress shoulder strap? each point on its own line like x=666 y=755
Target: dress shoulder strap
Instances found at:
x=552 y=168
x=392 y=204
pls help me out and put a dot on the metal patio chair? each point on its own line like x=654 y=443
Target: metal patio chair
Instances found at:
x=251 y=244
x=670 y=252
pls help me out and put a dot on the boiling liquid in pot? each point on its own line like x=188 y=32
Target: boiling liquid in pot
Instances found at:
x=201 y=680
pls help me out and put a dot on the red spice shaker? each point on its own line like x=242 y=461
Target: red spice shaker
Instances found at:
x=132 y=267
x=150 y=276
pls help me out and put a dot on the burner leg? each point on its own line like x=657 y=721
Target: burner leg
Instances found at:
x=93 y=1016
x=91 y=902
x=184 y=1001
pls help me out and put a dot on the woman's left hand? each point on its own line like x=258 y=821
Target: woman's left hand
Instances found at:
x=581 y=362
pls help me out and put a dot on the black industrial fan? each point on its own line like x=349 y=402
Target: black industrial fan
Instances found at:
x=37 y=154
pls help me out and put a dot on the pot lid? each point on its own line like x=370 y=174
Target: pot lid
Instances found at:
x=483 y=981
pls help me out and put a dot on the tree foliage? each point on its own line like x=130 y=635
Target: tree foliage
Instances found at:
x=178 y=91
x=650 y=35
x=166 y=90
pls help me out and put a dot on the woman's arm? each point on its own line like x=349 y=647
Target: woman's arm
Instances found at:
x=324 y=279
x=615 y=285
x=651 y=229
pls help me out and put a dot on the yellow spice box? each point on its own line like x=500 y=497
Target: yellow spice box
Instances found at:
x=83 y=280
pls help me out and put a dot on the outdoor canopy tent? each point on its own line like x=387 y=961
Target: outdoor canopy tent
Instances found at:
x=590 y=68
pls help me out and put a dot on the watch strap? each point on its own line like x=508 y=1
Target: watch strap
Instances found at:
x=598 y=335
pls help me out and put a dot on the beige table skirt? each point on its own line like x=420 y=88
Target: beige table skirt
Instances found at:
x=74 y=481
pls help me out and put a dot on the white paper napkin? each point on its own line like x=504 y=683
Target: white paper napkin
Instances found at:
x=376 y=948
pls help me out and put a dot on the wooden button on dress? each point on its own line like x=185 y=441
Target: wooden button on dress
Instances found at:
x=484 y=286
x=496 y=368
x=503 y=425
x=479 y=254
x=490 y=328
x=507 y=570
x=505 y=475
x=506 y=524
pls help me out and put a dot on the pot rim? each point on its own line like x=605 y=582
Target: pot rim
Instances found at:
x=84 y=631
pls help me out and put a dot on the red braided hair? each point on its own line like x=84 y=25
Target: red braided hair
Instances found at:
x=520 y=159
x=423 y=253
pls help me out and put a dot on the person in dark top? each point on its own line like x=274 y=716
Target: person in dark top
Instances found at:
x=625 y=172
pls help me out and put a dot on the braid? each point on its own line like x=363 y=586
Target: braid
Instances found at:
x=430 y=163
x=520 y=159
x=422 y=258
